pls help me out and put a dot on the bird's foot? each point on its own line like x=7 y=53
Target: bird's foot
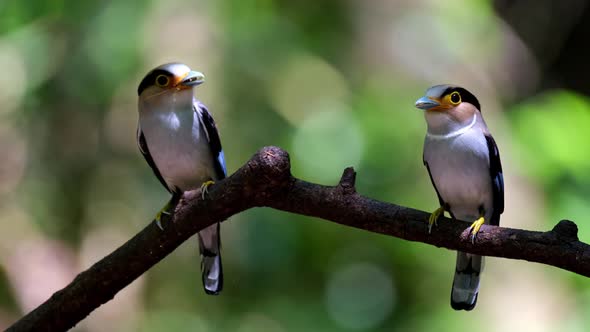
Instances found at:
x=204 y=188
x=433 y=220
x=475 y=228
x=162 y=211
x=159 y=218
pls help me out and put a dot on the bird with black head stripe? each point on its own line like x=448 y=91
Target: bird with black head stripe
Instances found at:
x=463 y=162
x=178 y=138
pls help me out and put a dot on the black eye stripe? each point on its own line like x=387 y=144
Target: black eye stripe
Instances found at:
x=466 y=96
x=150 y=79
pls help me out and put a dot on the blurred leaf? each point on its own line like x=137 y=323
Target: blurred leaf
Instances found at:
x=553 y=132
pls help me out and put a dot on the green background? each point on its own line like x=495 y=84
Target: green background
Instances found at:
x=332 y=82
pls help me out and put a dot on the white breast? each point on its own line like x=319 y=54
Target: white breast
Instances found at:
x=179 y=147
x=460 y=169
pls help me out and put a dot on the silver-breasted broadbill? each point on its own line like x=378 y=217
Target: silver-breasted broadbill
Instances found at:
x=178 y=138
x=463 y=162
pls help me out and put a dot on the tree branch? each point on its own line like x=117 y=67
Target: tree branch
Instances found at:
x=265 y=180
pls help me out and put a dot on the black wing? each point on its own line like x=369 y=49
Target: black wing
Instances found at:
x=440 y=200
x=497 y=180
x=213 y=138
x=143 y=148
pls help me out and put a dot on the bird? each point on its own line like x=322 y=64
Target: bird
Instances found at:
x=178 y=137
x=463 y=162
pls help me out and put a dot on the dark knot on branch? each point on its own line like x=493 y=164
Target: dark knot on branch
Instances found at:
x=272 y=163
x=566 y=230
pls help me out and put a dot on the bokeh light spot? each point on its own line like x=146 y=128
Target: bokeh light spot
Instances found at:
x=327 y=141
x=256 y=322
x=13 y=78
x=549 y=149
x=359 y=296
x=302 y=84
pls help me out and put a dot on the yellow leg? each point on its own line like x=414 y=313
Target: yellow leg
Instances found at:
x=163 y=210
x=433 y=220
x=204 y=187
x=475 y=228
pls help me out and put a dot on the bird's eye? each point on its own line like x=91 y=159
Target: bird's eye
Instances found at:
x=162 y=80
x=455 y=98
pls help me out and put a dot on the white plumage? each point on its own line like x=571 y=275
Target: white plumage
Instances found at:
x=178 y=138
x=460 y=168
x=464 y=166
x=177 y=141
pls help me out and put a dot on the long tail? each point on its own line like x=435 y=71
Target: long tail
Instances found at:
x=466 y=281
x=210 y=247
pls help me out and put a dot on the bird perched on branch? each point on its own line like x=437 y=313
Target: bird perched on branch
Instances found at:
x=177 y=136
x=463 y=162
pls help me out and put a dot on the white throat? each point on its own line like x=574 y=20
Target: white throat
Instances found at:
x=454 y=133
x=169 y=101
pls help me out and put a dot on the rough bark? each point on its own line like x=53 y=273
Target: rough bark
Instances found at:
x=266 y=180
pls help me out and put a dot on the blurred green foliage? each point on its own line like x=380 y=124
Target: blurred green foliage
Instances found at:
x=333 y=83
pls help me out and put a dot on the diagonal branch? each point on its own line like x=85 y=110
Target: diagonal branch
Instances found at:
x=265 y=180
